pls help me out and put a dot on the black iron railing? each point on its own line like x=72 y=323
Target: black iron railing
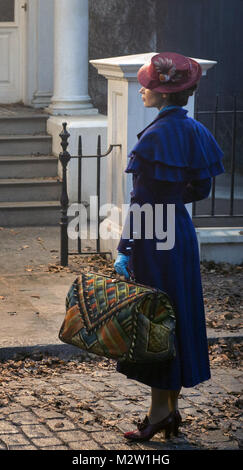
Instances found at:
x=229 y=217
x=64 y=158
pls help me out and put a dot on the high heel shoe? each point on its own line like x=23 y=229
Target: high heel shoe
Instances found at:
x=146 y=430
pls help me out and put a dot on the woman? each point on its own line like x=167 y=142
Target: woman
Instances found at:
x=172 y=163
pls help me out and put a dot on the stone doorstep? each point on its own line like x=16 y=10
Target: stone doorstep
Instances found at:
x=219 y=235
x=220 y=244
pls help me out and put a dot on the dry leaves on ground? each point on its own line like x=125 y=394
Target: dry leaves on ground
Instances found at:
x=226 y=353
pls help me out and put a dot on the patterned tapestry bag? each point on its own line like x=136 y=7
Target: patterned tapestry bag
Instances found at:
x=119 y=319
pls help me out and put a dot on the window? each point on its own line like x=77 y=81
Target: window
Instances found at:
x=6 y=10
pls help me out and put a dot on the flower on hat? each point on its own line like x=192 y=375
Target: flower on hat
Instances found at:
x=166 y=70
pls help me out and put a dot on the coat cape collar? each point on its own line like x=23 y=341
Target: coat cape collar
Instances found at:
x=179 y=110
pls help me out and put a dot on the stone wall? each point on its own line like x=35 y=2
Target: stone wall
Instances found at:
x=201 y=28
x=118 y=28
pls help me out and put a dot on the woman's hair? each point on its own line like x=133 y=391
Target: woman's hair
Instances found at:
x=181 y=97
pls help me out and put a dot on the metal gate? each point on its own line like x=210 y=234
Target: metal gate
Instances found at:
x=226 y=209
x=64 y=158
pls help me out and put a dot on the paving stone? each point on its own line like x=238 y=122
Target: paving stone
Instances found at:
x=214 y=436
x=6 y=427
x=122 y=405
x=60 y=424
x=85 y=445
x=74 y=387
x=105 y=409
x=25 y=417
x=27 y=401
x=95 y=386
x=190 y=411
x=35 y=430
x=72 y=436
x=234 y=387
x=12 y=408
x=41 y=443
x=183 y=404
x=89 y=427
x=43 y=413
x=67 y=376
x=14 y=439
x=126 y=425
x=106 y=436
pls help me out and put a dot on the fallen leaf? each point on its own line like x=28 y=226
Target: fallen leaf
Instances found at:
x=41 y=242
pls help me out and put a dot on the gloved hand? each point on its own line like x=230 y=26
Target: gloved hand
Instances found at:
x=121 y=265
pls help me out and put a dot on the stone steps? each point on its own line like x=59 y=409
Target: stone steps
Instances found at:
x=29 y=185
x=21 y=122
x=28 y=166
x=25 y=144
x=29 y=189
x=34 y=213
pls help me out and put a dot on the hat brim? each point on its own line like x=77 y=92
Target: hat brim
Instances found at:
x=145 y=80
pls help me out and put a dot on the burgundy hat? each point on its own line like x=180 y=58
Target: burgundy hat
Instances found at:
x=169 y=72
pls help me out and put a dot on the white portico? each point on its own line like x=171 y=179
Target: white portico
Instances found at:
x=70 y=93
x=70 y=101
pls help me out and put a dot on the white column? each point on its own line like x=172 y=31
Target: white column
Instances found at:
x=39 y=73
x=71 y=24
x=127 y=116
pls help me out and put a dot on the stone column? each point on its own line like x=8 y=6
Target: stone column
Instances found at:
x=39 y=75
x=70 y=94
x=70 y=102
x=127 y=116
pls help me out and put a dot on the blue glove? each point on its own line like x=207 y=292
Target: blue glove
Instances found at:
x=121 y=265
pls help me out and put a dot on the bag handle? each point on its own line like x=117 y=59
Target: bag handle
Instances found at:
x=154 y=289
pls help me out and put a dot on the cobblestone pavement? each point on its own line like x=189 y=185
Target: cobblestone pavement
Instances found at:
x=53 y=404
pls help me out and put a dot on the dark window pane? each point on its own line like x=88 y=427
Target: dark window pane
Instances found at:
x=6 y=10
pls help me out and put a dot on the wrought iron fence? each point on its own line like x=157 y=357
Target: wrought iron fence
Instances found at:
x=225 y=126
x=64 y=158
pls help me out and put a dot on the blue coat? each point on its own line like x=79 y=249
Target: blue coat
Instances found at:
x=173 y=161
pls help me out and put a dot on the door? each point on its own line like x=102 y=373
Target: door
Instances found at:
x=12 y=57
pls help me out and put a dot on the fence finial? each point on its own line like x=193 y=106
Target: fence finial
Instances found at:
x=64 y=158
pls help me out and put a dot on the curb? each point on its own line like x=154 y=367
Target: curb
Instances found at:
x=67 y=352
x=62 y=351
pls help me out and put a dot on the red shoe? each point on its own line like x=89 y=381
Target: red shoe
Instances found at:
x=146 y=430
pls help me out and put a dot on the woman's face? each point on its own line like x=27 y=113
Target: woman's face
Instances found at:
x=152 y=99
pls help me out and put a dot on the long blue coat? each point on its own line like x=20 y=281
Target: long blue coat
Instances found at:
x=173 y=161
